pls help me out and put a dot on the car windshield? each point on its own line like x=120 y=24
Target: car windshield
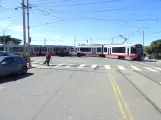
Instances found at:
x=1 y=58
x=139 y=50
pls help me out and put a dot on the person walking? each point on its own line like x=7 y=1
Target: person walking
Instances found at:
x=48 y=58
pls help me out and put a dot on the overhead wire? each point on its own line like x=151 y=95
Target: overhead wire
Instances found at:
x=48 y=14
x=46 y=1
x=80 y=4
x=133 y=14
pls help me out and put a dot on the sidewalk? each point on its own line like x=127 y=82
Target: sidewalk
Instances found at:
x=33 y=65
x=149 y=89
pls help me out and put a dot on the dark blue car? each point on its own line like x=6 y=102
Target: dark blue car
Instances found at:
x=12 y=64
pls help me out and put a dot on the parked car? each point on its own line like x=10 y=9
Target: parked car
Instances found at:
x=73 y=52
x=12 y=64
x=6 y=53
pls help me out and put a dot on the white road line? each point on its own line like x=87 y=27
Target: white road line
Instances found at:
x=1 y=88
x=107 y=67
x=159 y=82
x=121 y=67
x=151 y=69
x=58 y=65
x=135 y=68
x=157 y=68
x=81 y=66
x=93 y=66
x=69 y=66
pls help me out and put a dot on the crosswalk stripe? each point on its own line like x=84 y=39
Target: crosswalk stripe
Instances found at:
x=107 y=67
x=135 y=68
x=121 y=67
x=69 y=66
x=81 y=66
x=93 y=66
x=58 y=65
x=157 y=68
x=151 y=69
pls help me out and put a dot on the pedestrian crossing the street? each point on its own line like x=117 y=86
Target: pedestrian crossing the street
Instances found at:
x=100 y=67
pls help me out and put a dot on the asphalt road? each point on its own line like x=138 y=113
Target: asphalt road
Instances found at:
x=83 y=88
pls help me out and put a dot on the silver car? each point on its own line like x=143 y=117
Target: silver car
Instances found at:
x=12 y=64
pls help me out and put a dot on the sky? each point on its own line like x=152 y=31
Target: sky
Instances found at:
x=98 y=21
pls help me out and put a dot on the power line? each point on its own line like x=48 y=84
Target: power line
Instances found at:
x=80 y=4
x=12 y=9
x=115 y=9
x=40 y=2
x=45 y=24
x=48 y=14
x=139 y=7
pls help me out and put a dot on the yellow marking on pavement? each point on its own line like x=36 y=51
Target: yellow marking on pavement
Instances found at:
x=123 y=99
x=119 y=96
x=118 y=100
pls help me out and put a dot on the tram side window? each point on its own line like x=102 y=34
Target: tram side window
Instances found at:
x=105 y=49
x=118 y=50
x=54 y=49
x=1 y=48
x=85 y=49
x=36 y=49
x=99 y=49
x=44 y=49
x=133 y=50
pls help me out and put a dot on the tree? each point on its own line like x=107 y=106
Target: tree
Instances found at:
x=7 y=39
x=148 y=50
x=156 y=47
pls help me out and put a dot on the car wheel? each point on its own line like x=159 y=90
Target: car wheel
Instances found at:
x=24 y=70
x=78 y=55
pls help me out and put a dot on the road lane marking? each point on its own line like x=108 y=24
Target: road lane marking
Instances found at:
x=69 y=66
x=121 y=67
x=151 y=69
x=107 y=67
x=159 y=82
x=135 y=68
x=123 y=99
x=117 y=98
x=81 y=66
x=124 y=108
x=157 y=68
x=93 y=66
x=58 y=65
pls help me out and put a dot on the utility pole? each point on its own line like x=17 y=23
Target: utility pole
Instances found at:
x=128 y=39
x=112 y=41
x=74 y=41
x=4 y=40
x=143 y=38
x=87 y=41
x=91 y=40
x=28 y=28
x=24 y=25
x=44 y=41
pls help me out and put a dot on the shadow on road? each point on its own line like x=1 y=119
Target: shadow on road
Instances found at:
x=14 y=77
x=149 y=61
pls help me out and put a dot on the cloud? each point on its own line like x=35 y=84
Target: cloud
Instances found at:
x=38 y=35
x=11 y=27
x=16 y=28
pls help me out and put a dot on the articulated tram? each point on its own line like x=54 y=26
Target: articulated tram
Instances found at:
x=125 y=51
x=37 y=50
x=130 y=52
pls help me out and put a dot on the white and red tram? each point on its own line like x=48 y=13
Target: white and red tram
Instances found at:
x=36 y=50
x=128 y=51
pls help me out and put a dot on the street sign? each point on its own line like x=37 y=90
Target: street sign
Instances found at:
x=30 y=39
x=10 y=43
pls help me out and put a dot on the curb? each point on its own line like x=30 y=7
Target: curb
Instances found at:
x=33 y=66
